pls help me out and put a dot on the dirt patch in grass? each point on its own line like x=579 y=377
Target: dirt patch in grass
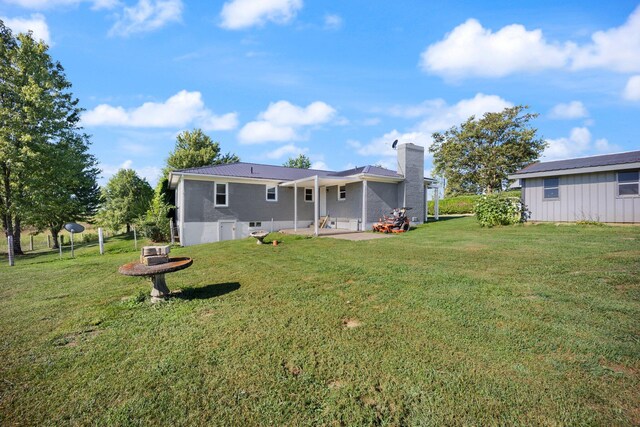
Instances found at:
x=351 y=323
x=290 y=368
x=71 y=340
x=335 y=384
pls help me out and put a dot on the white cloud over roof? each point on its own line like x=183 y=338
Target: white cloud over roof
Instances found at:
x=239 y=14
x=180 y=110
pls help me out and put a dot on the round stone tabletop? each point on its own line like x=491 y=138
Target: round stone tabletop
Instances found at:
x=137 y=269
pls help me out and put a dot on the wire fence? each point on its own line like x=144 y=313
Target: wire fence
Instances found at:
x=32 y=243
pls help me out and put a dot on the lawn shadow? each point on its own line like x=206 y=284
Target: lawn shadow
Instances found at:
x=209 y=291
x=431 y=219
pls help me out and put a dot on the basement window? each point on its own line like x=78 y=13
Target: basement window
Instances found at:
x=628 y=183
x=551 y=188
x=272 y=193
x=221 y=197
x=308 y=194
x=342 y=192
x=255 y=224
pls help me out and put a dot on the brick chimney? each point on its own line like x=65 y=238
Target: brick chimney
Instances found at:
x=411 y=166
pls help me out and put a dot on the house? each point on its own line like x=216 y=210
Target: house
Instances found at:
x=224 y=202
x=598 y=188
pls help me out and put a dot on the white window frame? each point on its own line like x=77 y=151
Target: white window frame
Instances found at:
x=618 y=183
x=544 y=187
x=215 y=194
x=341 y=199
x=312 y=195
x=266 y=193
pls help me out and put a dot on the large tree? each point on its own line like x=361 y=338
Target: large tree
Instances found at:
x=300 y=162
x=37 y=112
x=125 y=199
x=477 y=156
x=66 y=188
x=194 y=149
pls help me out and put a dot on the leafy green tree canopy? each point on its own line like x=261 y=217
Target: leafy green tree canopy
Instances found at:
x=478 y=155
x=125 y=199
x=195 y=149
x=300 y=162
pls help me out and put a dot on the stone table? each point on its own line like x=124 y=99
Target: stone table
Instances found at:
x=159 y=289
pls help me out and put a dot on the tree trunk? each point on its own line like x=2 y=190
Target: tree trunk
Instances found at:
x=7 y=221
x=128 y=228
x=54 y=236
x=17 y=247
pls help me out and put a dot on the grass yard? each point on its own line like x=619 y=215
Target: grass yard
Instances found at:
x=448 y=324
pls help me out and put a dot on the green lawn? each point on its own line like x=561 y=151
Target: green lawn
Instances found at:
x=448 y=324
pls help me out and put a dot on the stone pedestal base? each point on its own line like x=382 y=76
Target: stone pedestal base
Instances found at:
x=159 y=289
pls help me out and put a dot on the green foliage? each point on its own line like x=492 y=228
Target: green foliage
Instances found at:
x=155 y=224
x=195 y=149
x=300 y=162
x=126 y=198
x=47 y=176
x=89 y=237
x=497 y=209
x=463 y=204
x=477 y=156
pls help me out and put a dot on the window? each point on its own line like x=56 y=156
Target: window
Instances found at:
x=255 y=224
x=551 y=188
x=342 y=192
x=308 y=194
x=272 y=193
x=628 y=183
x=221 y=194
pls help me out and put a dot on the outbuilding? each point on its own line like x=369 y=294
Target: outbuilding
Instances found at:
x=598 y=188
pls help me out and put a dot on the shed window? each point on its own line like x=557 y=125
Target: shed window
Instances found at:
x=222 y=190
x=551 y=188
x=272 y=193
x=342 y=192
x=308 y=194
x=628 y=183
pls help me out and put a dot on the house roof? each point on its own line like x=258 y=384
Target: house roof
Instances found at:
x=282 y=173
x=582 y=164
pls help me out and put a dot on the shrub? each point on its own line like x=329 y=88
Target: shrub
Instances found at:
x=89 y=237
x=461 y=204
x=155 y=223
x=498 y=209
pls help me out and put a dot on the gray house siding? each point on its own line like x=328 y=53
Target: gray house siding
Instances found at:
x=591 y=197
x=351 y=207
x=382 y=198
x=247 y=202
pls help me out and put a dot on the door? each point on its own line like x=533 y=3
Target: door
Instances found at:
x=226 y=230
x=323 y=201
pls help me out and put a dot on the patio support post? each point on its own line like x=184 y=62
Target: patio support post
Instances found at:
x=426 y=203
x=295 y=206
x=316 y=196
x=364 y=205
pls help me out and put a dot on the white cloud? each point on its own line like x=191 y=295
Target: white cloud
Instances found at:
x=632 y=89
x=572 y=110
x=436 y=115
x=36 y=23
x=281 y=120
x=616 y=49
x=182 y=109
x=259 y=132
x=578 y=143
x=50 y=4
x=333 y=22
x=146 y=15
x=319 y=165
x=238 y=14
x=472 y=50
x=289 y=149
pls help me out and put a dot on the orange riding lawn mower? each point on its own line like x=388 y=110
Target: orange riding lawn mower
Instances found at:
x=396 y=222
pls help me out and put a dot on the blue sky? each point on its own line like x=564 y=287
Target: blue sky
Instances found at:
x=338 y=80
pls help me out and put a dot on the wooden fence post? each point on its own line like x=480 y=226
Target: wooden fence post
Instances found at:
x=48 y=241
x=31 y=242
x=10 y=250
x=101 y=240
